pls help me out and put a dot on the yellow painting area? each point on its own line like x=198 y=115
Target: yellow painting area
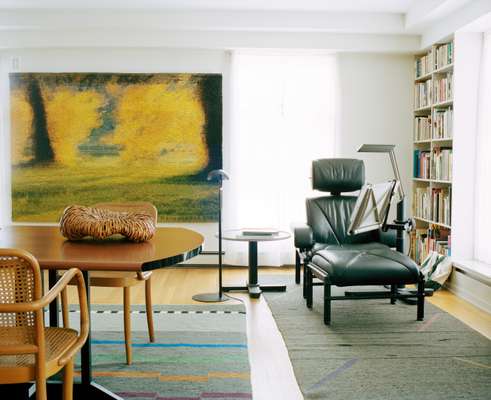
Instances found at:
x=157 y=124
x=114 y=137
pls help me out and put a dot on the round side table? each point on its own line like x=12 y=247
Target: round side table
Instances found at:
x=252 y=286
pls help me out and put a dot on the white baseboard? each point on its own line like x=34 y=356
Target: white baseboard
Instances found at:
x=472 y=290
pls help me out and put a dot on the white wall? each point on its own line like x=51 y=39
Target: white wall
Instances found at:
x=376 y=103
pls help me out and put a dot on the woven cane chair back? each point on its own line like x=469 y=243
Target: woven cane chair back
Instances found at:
x=20 y=282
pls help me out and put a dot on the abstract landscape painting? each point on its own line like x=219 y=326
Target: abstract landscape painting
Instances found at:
x=84 y=138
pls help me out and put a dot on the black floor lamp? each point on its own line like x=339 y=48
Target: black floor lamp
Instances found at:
x=218 y=175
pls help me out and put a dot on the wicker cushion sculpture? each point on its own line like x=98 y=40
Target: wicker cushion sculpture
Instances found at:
x=78 y=222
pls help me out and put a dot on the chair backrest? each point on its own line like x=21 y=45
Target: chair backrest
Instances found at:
x=329 y=216
x=143 y=207
x=20 y=282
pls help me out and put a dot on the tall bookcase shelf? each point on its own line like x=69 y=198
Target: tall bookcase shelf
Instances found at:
x=433 y=151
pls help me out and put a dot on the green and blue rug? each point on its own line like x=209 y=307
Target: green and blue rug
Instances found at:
x=200 y=352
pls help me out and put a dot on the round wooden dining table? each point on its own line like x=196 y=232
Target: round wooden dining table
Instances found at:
x=169 y=246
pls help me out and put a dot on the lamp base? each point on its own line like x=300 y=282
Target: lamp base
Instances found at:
x=210 y=298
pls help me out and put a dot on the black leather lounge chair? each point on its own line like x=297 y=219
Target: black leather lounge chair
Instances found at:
x=328 y=253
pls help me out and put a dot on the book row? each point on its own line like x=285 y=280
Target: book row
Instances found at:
x=422 y=94
x=422 y=164
x=433 y=204
x=443 y=55
x=432 y=239
x=433 y=91
x=441 y=164
x=437 y=126
x=442 y=88
x=443 y=123
x=422 y=128
x=424 y=65
x=435 y=164
x=437 y=58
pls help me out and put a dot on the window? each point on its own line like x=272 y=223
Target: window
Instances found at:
x=283 y=117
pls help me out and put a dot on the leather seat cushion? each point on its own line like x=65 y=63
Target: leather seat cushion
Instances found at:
x=365 y=264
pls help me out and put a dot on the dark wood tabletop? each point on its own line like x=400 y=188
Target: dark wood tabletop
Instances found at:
x=168 y=247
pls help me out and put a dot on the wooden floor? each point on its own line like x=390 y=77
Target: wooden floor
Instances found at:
x=271 y=370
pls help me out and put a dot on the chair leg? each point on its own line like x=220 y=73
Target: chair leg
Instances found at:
x=421 y=300
x=127 y=323
x=309 y=286
x=68 y=381
x=64 y=308
x=148 y=304
x=41 y=393
x=297 y=267
x=304 y=266
x=393 y=293
x=327 y=302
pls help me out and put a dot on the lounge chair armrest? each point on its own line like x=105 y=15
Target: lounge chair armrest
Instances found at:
x=304 y=236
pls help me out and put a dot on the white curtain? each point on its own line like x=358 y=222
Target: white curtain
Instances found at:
x=283 y=117
x=482 y=249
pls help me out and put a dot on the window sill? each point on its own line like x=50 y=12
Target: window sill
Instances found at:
x=474 y=269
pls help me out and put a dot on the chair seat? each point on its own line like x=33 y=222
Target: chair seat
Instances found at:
x=116 y=278
x=21 y=367
x=365 y=264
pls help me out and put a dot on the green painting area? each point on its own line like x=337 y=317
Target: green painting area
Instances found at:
x=42 y=193
x=89 y=138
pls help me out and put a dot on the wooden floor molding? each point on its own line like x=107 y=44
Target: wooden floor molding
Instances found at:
x=271 y=369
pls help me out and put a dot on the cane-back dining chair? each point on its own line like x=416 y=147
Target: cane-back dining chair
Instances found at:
x=29 y=351
x=125 y=279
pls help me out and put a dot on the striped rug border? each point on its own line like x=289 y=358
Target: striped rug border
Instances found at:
x=164 y=312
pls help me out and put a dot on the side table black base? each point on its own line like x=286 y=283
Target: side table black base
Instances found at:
x=255 y=290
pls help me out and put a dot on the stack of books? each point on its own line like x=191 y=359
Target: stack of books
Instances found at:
x=442 y=88
x=441 y=164
x=422 y=164
x=442 y=123
x=422 y=128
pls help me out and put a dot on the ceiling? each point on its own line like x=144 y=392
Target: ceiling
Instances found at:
x=389 y=6
x=352 y=25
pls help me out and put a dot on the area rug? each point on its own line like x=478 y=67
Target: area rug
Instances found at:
x=200 y=352
x=375 y=350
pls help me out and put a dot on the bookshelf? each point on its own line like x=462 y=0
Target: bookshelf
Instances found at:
x=433 y=151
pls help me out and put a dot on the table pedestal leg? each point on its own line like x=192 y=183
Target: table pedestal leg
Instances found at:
x=53 y=306
x=253 y=287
